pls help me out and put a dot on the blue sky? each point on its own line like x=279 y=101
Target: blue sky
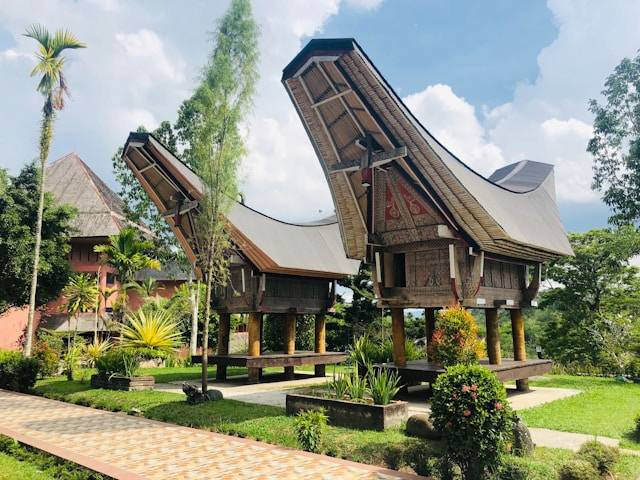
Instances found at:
x=495 y=81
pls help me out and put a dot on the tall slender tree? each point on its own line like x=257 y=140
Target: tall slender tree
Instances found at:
x=215 y=144
x=53 y=88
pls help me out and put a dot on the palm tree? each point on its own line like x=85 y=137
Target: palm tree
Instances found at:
x=147 y=288
x=127 y=255
x=53 y=88
x=80 y=296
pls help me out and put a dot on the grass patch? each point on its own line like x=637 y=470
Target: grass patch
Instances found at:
x=13 y=469
x=21 y=462
x=606 y=408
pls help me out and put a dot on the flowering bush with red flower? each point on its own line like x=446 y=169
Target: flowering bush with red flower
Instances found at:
x=469 y=406
x=455 y=338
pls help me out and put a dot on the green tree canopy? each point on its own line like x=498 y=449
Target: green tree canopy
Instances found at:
x=598 y=296
x=18 y=211
x=615 y=144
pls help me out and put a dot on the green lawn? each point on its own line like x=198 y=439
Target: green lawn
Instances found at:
x=13 y=469
x=391 y=448
x=606 y=408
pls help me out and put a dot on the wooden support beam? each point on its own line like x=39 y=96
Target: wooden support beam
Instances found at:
x=331 y=98
x=398 y=337
x=493 y=336
x=253 y=329
x=377 y=160
x=180 y=209
x=429 y=328
x=320 y=342
x=519 y=348
x=289 y=341
x=223 y=342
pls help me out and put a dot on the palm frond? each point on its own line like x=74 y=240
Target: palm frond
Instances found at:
x=62 y=40
x=40 y=34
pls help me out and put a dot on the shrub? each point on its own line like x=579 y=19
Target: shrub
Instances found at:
x=17 y=372
x=383 y=385
x=514 y=468
x=633 y=369
x=72 y=358
x=119 y=361
x=365 y=352
x=455 y=339
x=637 y=430
x=469 y=406
x=578 y=470
x=154 y=330
x=47 y=351
x=94 y=350
x=310 y=426
x=602 y=457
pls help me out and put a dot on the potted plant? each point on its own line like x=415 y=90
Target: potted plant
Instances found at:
x=117 y=371
x=355 y=401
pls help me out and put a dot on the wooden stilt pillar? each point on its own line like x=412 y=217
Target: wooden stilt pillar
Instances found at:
x=320 y=342
x=398 y=336
x=289 y=341
x=429 y=328
x=253 y=328
x=493 y=336
x=519 y=350
x=223 y=342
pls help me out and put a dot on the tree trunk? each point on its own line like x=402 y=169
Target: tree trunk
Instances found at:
x=45 y=141
x=195 y=300
x=207 y=310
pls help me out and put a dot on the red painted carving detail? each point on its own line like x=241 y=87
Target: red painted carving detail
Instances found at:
x=391 y=211
x=415 y=206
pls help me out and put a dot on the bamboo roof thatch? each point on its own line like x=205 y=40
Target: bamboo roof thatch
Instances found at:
x=272 y=246
x=100 y=210
x=344 y=101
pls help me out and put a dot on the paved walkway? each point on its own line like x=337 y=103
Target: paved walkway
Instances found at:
x=133 y=448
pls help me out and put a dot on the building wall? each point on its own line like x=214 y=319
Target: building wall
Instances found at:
x=83 y=259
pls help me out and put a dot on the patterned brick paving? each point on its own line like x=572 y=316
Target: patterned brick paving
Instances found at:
x=132 y=448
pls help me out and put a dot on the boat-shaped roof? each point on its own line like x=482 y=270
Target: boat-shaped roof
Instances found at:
x=311 y=249
x=341 y=98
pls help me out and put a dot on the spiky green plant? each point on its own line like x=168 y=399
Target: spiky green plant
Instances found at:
x=154 y=330
x=93 y=351
x=384 y=385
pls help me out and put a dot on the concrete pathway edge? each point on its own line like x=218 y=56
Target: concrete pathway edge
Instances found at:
x=61 y=452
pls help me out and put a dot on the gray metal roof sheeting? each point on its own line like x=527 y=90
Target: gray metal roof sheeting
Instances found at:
x=313 y=249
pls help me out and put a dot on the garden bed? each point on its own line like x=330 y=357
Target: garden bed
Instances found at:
x=345 y=413
x=119 y=382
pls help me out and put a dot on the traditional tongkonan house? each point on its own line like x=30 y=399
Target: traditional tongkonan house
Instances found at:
x=276 y=267
x=435 y=232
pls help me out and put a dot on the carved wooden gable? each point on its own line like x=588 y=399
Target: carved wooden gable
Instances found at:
x=402 y=214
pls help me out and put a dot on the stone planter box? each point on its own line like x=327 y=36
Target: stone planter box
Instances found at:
x=118 y=382
x=343 y=413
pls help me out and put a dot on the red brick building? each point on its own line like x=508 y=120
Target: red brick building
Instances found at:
x=100 y=213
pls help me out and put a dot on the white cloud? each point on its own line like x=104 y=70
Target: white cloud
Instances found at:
x=364 y=4
x=555 y=129
x=453 y=121
x=12 y=54
x=147 y=47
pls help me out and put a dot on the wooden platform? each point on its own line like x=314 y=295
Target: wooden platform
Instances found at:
x=274 y=359
x=424 y=371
